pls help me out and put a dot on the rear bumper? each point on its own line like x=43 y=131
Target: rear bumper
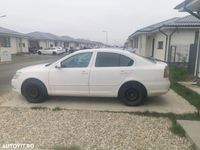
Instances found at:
x=158 y=88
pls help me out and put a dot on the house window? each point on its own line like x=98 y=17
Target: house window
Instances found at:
x=5 y=42
x=160 y=44
x=135 y=42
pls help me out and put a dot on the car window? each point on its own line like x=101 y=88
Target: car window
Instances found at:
x=78 y=60
x=105 y=59
x=125 y=61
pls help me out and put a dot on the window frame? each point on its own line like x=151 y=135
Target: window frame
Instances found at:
x=91 y=58
x=5 y=41
x=94 y=64
x=160 y=48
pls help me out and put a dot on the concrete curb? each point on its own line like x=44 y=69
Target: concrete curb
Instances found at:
x=189 y=134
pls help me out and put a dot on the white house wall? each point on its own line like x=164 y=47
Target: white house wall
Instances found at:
x=15 y=45
x=159 y=53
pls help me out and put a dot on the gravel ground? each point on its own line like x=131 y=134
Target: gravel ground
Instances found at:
x=87 y=129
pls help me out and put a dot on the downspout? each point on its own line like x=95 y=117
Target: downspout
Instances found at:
x=169 y=44
x=198 y=57
x=166 y=35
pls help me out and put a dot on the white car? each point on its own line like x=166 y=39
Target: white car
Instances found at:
x=95 y=73
x=51 y=51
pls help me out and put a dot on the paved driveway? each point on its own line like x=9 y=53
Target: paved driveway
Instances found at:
x=170 y=102
x=7 y=71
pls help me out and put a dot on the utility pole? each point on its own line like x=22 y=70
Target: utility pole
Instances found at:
x=106 y=36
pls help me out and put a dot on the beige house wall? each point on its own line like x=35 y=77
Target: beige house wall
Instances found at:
x=182 y=37
x=15 y=45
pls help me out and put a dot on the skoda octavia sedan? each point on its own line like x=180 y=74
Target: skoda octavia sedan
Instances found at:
x=95 y=73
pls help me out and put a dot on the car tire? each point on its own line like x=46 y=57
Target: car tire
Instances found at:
x=54 y=53
x=39 y=53
x=34 y=91
x=132 y=94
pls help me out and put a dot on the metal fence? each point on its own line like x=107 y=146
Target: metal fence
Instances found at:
x=179 y=53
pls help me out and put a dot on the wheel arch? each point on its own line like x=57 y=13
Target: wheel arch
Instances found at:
x=32 y=79
x=132 y=82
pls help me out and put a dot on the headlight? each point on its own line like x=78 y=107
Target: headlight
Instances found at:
x=17 y=74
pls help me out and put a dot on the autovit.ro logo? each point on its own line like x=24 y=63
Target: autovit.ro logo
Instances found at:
x=16 y=146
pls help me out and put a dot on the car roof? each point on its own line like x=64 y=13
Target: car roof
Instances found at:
x=105 y=50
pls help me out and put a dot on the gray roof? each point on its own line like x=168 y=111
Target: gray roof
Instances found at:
x=43 y=36
x=187 y=21
x=4 y=31
x=157 y=25
x=181 y=5
x=67 y=38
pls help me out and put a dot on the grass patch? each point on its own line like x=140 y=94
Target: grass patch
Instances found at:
x=177 y=129
x=57 y=109
x=179 y=73
x=39 y=108
x=66 y=148
x=191 y=96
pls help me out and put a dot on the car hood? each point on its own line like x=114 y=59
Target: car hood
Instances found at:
x=39 y=67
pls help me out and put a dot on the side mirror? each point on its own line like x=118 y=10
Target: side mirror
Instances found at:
x=58 y=66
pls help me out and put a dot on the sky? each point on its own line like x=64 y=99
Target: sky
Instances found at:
x=86 y=18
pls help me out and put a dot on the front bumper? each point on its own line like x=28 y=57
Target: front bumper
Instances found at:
x=16 y=86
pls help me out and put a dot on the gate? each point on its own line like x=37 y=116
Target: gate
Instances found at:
x=192 y=58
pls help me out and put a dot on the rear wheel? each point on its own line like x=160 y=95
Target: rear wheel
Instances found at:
x=34 y=91
x=132 y=94
x=39 y=53
x=54 y=53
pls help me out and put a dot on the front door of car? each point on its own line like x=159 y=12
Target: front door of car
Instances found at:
x=72 y=77
x=109 y=70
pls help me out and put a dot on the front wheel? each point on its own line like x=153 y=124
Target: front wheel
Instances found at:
x=34 y=91
x=132 y=94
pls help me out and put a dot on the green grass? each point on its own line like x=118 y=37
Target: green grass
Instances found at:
x=57 y=109
x=39 y=108
x=66 y=148
x=179 y=73
x=191 y=96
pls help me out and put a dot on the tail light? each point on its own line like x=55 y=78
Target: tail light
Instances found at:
x=166 y=72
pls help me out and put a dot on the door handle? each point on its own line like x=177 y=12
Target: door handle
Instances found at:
x=123 y=72
x=84 y=72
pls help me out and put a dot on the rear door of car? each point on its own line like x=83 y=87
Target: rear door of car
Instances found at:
x=107 y=73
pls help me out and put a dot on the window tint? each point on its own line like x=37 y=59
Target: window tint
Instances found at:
x=105 y=59
x=77 y=61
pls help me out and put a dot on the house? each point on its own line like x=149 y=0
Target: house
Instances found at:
x=77 y=44
x=169 y=40
x=13 y=41
x=193 y=8
x=41 y=40
x=69 y=42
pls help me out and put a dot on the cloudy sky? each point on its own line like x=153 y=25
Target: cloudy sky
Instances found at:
x=86 y=18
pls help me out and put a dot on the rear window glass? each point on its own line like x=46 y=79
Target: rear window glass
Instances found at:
x=105 y=59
